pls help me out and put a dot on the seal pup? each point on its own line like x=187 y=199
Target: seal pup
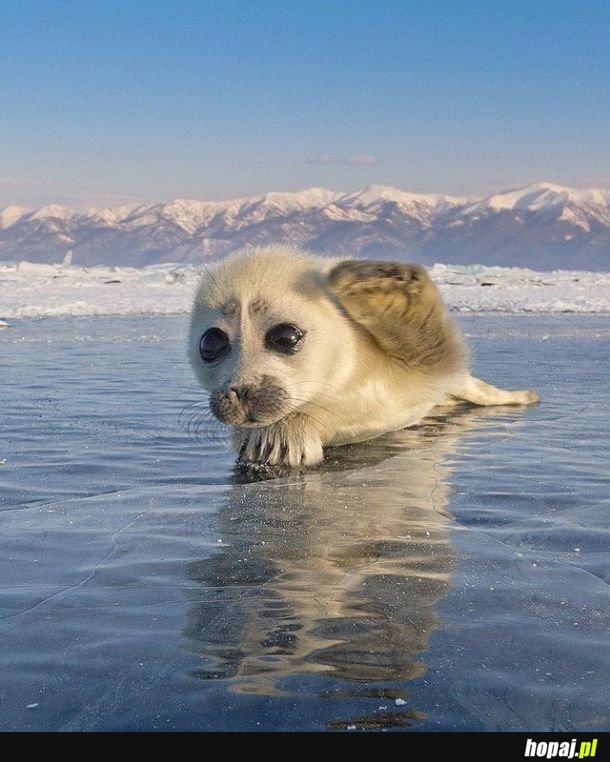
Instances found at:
x=299 y=352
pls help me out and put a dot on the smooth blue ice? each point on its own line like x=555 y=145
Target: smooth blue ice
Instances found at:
x=449 y=577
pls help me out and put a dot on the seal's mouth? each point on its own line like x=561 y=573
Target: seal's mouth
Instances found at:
x=253 y=423
x=248 y=421
x=250 y=405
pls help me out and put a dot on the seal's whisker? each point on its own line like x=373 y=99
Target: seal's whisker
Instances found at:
x=310 y=381
x=199 y=404
x=316 y=405
x=202 y=425
x=296 y=409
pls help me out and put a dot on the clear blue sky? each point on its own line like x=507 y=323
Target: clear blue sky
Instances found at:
x=105 y=102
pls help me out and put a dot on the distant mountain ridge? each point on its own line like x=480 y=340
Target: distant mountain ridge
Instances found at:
x=543 y=226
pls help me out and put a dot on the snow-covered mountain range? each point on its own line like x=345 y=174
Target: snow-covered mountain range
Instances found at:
x=542 y=226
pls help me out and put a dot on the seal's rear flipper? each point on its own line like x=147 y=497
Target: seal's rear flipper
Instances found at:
x=480 y=393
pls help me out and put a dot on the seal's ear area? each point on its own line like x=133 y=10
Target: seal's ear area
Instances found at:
x=368 y=289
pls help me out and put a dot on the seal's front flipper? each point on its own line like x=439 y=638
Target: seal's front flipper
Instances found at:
x=480 y=393
x=399 y=305
x=291 y=442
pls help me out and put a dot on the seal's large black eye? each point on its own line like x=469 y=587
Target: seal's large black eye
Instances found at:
x=213 y=344
x=284 y=338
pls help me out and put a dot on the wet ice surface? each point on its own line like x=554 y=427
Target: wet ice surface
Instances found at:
x=449 y=577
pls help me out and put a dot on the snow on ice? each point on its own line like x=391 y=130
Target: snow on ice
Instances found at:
x=30 y=290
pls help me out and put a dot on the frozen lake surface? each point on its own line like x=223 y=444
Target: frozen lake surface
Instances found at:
x=449 y=577
x=29 y=290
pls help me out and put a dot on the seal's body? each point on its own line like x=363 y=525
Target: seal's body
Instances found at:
x=299 y=352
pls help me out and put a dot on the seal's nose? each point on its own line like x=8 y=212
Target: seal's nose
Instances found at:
x=239 y=394
x=231 y=405
x=235 y=394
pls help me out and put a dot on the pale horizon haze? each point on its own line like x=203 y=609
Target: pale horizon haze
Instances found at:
x=104 y=103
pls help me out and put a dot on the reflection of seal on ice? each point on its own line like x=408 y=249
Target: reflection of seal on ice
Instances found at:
x=299 y=352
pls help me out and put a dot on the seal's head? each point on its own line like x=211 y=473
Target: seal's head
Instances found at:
x=259 y=338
